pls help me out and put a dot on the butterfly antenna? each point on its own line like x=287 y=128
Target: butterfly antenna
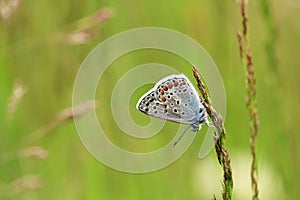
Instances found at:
x=181 y=136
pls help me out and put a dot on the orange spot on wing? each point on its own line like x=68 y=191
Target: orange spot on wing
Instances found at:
x=170 y=85
x=165 y=88
x=163 y=99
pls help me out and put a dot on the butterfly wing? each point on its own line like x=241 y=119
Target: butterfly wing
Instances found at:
x=173 y=98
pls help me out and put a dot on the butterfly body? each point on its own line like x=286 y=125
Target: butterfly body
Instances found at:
x=174 y=99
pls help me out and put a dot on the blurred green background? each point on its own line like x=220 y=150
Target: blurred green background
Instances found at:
x=42 y=44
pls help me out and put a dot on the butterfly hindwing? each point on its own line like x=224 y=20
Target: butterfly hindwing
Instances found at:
x=172 y=98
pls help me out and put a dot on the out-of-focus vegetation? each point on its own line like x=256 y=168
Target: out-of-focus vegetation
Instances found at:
x=42 y=44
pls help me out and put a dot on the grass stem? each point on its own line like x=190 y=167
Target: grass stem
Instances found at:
x=219 y=135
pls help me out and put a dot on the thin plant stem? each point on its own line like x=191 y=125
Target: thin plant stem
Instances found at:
x=272 y=34
x=219 y=136
x=251 y=100
x=59 y=119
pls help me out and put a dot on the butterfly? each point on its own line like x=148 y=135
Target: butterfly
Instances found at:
x=175 y=99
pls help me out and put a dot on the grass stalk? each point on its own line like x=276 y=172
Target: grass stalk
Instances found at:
x=251 y=100
x=222 y=154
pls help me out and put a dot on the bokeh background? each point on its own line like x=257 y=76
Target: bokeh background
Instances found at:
x=42 y=44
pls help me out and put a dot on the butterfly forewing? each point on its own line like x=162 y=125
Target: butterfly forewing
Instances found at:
x=173 y=98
